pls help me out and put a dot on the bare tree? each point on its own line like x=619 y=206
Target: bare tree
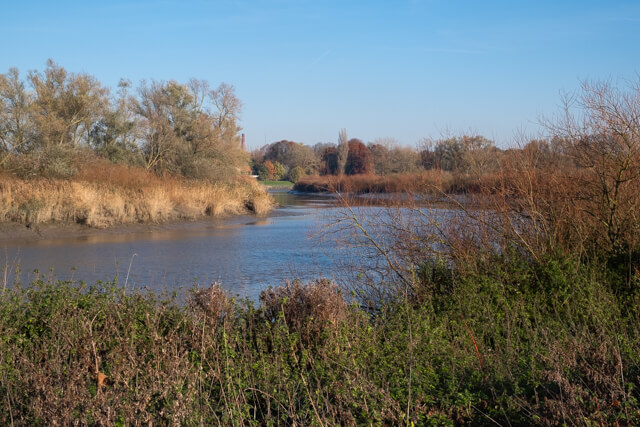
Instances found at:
x=66 y=105
x=343 y=150
x=600 y=131
x=190 y=134
x=16 y=122
x=227 y=111
x=116 y=135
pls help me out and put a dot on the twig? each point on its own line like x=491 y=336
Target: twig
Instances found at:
x=475 y=344
x=128 y=270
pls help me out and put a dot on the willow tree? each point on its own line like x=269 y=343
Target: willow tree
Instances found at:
x=65 y=106
x=190 y=130
x=16 y=123
x=116 y=135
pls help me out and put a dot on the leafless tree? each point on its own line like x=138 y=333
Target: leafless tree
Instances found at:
x=343 y=150
x=66 y=106
x=16 y=121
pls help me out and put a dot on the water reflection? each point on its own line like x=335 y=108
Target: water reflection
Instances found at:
x=244 y=254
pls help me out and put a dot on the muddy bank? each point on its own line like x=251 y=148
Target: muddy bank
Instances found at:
x=14 y=234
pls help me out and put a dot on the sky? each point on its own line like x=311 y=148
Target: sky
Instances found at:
x=304 y=69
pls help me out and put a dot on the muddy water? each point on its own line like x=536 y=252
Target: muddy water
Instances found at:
x=244 y=254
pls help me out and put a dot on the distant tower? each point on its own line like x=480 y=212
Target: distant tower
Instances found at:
x=243 y=146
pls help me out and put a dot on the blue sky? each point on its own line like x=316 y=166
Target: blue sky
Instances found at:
x=305 y=69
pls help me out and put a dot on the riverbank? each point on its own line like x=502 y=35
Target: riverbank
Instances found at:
x=277 y=185
x=105 y=195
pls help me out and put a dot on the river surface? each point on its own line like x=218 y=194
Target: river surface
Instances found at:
x=244 y=254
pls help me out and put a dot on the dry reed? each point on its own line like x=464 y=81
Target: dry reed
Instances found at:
x=103 y=195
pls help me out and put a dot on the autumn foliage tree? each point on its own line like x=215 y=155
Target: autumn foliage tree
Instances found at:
x=291 y=155
x=358 y=159
x=330 y=165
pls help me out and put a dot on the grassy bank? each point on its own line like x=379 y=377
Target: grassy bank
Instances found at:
x=277 y=185
x=103 y=194
x=517 y=343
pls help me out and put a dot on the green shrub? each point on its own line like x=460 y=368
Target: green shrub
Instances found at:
x=295 y=174
x=514 y=342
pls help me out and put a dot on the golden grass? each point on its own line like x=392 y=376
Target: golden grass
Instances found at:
x=103 y=195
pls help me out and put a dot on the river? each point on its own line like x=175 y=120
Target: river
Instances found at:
x=244 y=254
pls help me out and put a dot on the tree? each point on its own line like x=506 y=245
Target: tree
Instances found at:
x=330 y=161
x=115 y=135
x=227 y=112
x=359 y=160
x=292 y=154
x=380 y=158
x=600 y=132
x=16 y=120
x=161 y=132
x=388 y=157
x=295 y=174
x=466 y=154
x=186 y=135
x=342 y=151
x=66 y=106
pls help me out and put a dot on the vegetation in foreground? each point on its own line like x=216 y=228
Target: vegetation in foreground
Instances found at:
x=518 y=343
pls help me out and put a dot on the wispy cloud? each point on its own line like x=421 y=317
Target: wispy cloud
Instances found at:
x=317 y=60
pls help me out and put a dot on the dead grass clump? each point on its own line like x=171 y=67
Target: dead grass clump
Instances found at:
x=213 y=303
x=306 y=308
x=107 y=195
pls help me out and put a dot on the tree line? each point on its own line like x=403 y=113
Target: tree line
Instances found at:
x=385 y=156
x=50 y=119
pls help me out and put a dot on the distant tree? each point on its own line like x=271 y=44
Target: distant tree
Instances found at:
x=265 y=171
x=388 y=157
x=279 y=171
x=359 y=160
x=342 y=150
x=295 y=174
x=466 y=154
x=292 y=154
x=226 y=114
x=428 y=158
x=271 y=171
x=330 y=161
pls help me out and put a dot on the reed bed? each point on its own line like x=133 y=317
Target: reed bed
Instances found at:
x=433 y=181
x=103 y=195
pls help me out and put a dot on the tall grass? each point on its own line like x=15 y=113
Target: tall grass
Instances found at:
x=102 y=194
